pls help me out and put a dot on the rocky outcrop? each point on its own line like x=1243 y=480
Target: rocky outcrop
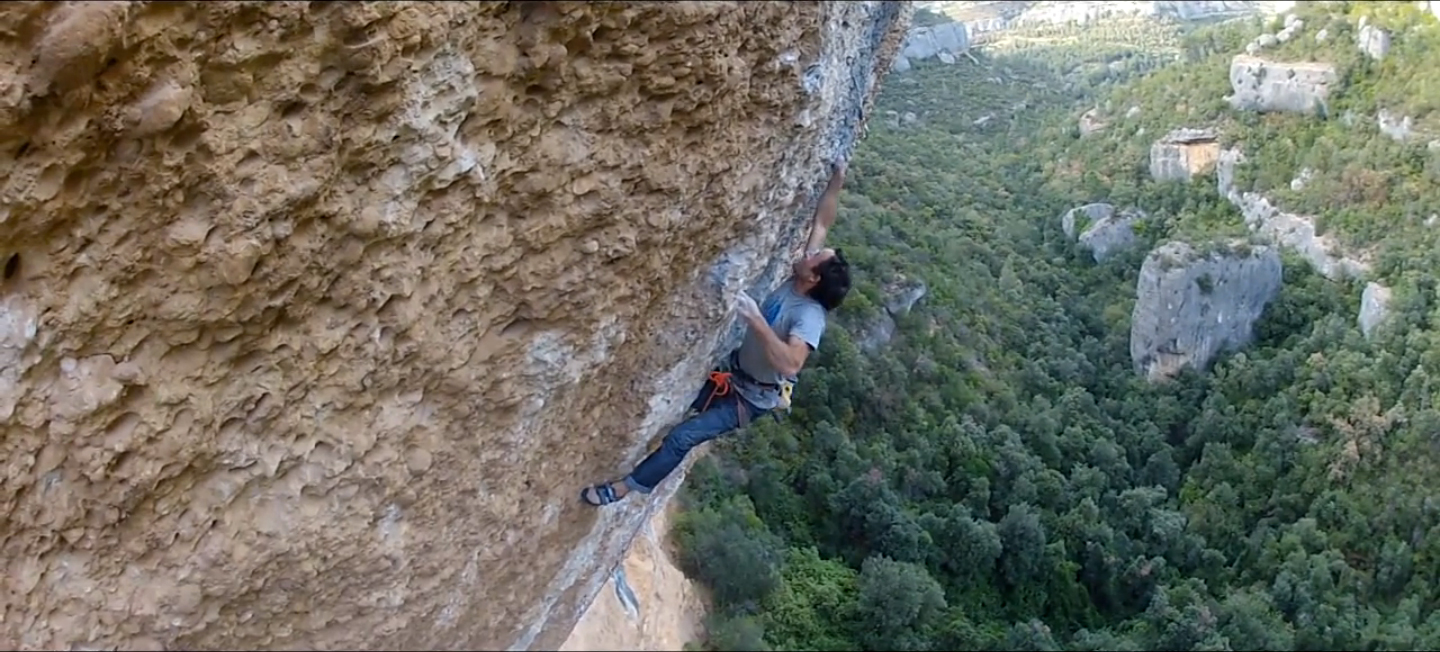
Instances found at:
x=1272 y=86
x=1290 y=230
x=1092 y=122
x=1398 y=127
x=1184 y=10
x=1372 y=40
x=898 y=294
x=1302 y=179
x=1111 y=234
x=647 y=603
x=873 y=333
x=1080 y=218
x=1374 y=308
x=1184 y=154
x=897 y=120
x=985 y=21
x=1191 y=305
x=1105 y=230
x=944 y=42
x=1292 y=27
x=320 y=314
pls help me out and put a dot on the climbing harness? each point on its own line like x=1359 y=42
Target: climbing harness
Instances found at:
x=722 y=382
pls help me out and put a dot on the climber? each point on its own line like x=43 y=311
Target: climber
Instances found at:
x=779 y=336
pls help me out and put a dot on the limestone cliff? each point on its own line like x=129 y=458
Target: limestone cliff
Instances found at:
x=1184 y=154
x=1102 y=229
x=943 y=41
x=1289 y=230
x=1374 y=307
x=899 y=294
x=317 y=315
x=1191 y=305
x=1275 y=86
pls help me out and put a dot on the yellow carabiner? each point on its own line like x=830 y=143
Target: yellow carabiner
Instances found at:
x=786 y=388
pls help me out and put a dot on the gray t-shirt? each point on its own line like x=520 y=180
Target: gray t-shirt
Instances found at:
x=789 y=314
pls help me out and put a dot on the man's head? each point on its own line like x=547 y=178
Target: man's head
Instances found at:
x=823 y=276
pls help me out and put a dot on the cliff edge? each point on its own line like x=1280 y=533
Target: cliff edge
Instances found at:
x=316 y=316
x=647 y=603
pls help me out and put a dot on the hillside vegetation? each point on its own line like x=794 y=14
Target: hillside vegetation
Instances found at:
x=998 y=477
x=1371 y=191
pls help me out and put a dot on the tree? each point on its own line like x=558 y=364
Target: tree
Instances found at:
x=1023 y=538
x=899 y=606
x=730 y=550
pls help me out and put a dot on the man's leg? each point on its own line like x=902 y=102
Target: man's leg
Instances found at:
x=718 y=418
x=722 y=418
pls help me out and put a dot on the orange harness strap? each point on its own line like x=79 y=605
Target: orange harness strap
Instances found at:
x=721 y=380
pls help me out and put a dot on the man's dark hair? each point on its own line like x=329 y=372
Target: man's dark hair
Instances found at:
x=834 y=282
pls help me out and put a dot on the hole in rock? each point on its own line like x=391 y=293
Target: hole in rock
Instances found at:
x=517 y=328
x=12 y=266
x=118 y=462
x=358 y=37
x=249 y=164
x=577 y=45
x=291 y=109
x=75 y=181
x=187 y=136
x=534 y=10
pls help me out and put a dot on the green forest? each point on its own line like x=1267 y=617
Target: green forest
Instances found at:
x=998 y=477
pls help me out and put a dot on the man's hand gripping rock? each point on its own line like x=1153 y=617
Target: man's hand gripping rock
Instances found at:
x=746 y=307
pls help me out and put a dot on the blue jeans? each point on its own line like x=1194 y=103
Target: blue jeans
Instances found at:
x=721 y=418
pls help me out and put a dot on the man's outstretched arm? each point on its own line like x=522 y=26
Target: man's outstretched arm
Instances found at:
x=826 y=211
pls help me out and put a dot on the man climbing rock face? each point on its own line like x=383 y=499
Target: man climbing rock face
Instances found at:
x=780 y=334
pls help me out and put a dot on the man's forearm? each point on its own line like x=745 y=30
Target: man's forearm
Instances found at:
x=777 y=352
x=826 y=210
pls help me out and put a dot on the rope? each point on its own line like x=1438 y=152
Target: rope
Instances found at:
x=721 y=380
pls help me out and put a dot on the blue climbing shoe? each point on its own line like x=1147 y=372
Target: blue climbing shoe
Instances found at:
x=599 y=495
